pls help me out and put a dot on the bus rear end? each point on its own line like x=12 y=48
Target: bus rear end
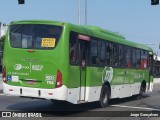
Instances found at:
x=32 y=58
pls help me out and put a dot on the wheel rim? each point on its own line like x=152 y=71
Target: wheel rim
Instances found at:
x=104 y=98
x=141 y=91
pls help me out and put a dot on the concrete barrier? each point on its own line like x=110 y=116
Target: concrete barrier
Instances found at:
x=156 y=80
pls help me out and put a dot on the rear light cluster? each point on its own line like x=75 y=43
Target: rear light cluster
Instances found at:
x=4 y=75
x=59 y=79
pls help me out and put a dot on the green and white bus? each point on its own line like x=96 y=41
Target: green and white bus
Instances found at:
x=79 y=64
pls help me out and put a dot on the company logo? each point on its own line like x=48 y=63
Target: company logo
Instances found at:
x=37 y=67
x=6 y=114
x=107 y=74
x=18 y=67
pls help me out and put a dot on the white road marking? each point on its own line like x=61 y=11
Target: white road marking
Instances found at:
x=142 y=108
x=4 y=94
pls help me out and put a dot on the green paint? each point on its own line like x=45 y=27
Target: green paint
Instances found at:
x=42 y=64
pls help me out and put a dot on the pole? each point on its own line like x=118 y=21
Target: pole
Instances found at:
x=79 y=11
x=0 y=29
x=85 y=12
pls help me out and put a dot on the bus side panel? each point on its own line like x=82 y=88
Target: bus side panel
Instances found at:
x=73 y=84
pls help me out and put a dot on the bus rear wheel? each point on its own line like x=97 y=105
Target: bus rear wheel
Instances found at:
x=104 y=97
x=58 y=102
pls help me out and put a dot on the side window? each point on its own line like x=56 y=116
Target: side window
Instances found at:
x=144 y=59
x=138 y=58
x=134 y=57
x=94 y=51
x=97 y=52
x=101 y=53
x=150 y=63
x=108 y=53
x=128 y=57
x=121 y=56
x=73 y=48
x=115 y=55
x=112 y=54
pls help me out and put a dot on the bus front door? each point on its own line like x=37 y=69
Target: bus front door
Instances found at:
x=84 y=60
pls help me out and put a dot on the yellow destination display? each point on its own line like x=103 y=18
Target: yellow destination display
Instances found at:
x=48 y=42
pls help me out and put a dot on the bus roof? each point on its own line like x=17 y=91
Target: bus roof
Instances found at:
x=37 y=22
x=91 y=30
x=116 y=37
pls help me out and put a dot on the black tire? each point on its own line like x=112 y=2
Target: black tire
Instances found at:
x=105 y=96
x=141 y=92
x=58 y=102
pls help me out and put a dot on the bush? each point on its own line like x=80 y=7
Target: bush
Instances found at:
x=2 y=39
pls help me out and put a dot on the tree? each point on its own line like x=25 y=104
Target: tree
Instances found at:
x=2 y=39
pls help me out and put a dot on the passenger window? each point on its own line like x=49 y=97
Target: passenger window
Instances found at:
x=108 y=53
x=128 y=57
x=101 y=53
x=112 y=54
x=138 y=58
x=134 y=58
x=121 y=56
x=73 y=48
x=144 y=59
x=94 y=52
x=98 y=52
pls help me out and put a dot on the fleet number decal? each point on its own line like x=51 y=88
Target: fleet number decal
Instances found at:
x=107 y=74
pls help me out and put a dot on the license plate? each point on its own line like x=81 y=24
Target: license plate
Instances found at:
x=31 y=82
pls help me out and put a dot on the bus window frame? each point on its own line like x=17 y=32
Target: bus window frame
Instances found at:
x=124 y=46
x=34 y=38
x=78 y=63
x=130 y=57
x=98 y=56
x=123 y=55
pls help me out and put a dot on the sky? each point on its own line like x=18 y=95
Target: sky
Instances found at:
x=137 y=20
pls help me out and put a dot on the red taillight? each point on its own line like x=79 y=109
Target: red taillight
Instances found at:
x=31 y=51
x=4 y=75
x=59 y=79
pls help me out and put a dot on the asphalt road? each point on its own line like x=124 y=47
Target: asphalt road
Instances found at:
x=149 y=104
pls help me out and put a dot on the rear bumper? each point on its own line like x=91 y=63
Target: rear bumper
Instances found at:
x=57 y=93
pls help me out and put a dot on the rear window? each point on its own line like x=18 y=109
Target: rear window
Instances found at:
x=34 y=36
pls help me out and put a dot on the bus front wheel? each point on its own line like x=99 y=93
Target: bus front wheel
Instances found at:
x=104 y=97
x=141 y=92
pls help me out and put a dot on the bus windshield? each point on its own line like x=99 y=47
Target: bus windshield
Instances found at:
x=34 y=36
